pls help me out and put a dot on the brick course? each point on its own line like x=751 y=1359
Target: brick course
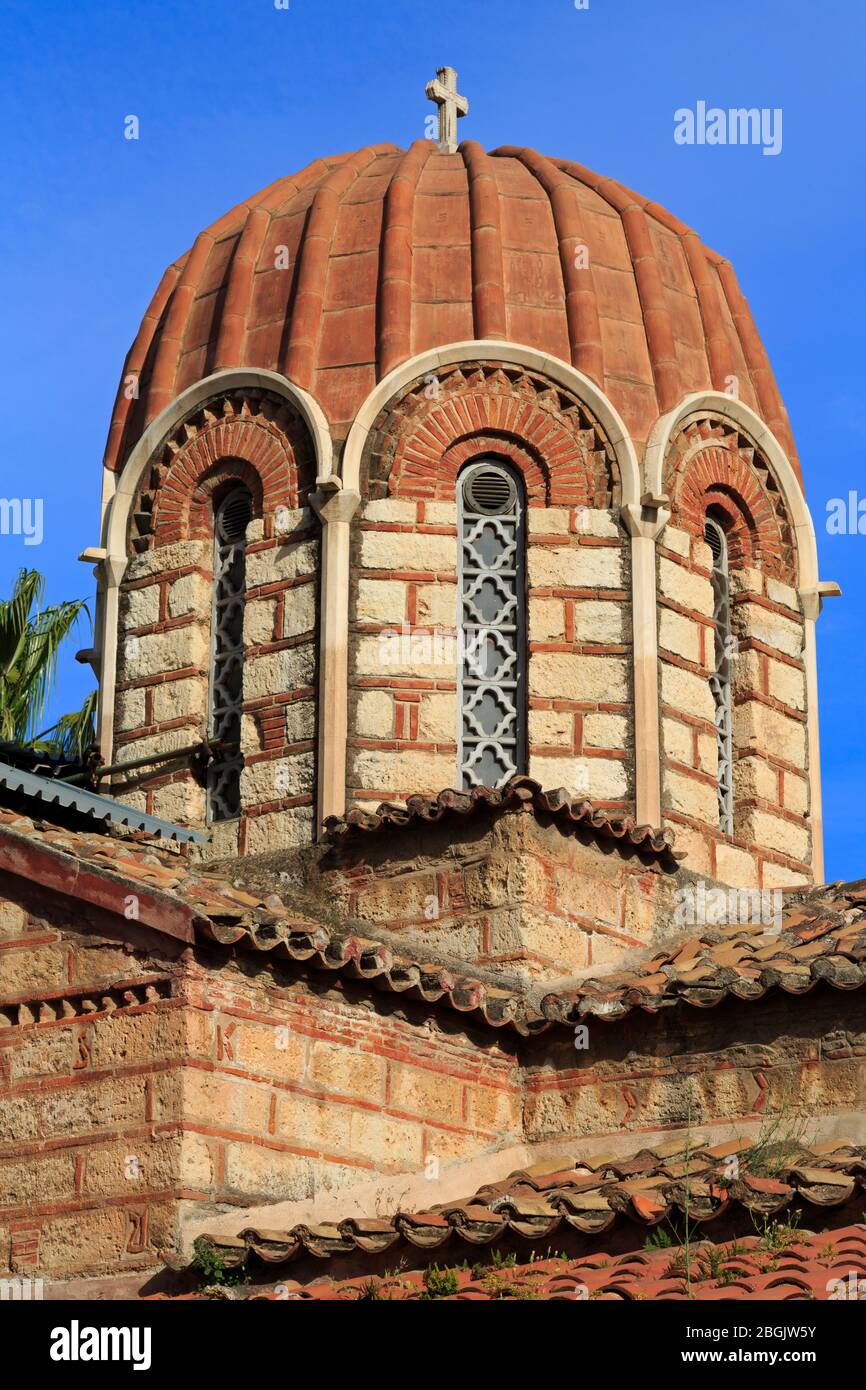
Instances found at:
x=712 y=467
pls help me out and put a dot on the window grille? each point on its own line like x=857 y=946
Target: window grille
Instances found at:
x=720 y=680
x=491 y=625
x=231 y=519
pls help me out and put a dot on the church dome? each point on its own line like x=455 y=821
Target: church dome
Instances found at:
x=336 y=275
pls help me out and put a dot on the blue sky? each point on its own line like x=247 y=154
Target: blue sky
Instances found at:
x=231 y=94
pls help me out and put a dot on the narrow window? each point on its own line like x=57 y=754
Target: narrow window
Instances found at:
x=720 y=680
x=231 y=519
x=491 y=624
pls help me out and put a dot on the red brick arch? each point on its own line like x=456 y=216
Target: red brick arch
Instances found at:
x=420 y=443
x=714 y=469
x=249 y=440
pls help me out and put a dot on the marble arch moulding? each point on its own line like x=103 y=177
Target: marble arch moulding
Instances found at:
x=493 y=350
x=811 y=589
x=744 y=418
x=341 y=496
x=118 y=494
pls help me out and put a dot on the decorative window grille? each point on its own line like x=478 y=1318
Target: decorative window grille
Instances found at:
x=491 y=625
x=720 y=680
x=231 y=519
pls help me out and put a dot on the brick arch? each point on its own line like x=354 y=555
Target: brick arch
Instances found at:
x=527 y=463
x=213 y=485
x=420 y=441
x=250 y=437
x=711 y=466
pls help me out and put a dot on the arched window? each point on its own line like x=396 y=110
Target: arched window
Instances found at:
x=491 y=624
x=720 y=680
x=231 y=519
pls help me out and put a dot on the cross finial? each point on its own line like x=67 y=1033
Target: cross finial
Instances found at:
x=443 y=90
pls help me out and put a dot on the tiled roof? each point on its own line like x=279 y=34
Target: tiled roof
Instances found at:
x=651 y=1188
x=822 y=938
x=517 y=791
x=352 y=309
x=805 y=1267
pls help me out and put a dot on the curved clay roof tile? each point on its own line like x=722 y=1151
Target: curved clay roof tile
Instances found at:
x=392 y=252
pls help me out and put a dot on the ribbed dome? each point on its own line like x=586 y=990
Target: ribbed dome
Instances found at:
x=337 y=275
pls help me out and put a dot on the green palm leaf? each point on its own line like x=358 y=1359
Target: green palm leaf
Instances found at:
x=30 y=640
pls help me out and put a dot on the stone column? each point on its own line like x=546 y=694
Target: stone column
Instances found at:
x=645 y=523
x=335 y=507
x=108 y=572
x=811 y=601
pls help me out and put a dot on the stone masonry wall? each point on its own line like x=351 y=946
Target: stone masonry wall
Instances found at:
x=92 y=1152
x=792 y=1069
x=403 y=716
x=713 y=469
x=165 y=625
x=138 y=1080
x=146 y=1084
x=514 y=893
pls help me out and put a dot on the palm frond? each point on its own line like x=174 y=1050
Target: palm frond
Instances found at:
x=30 y=641
x=74 y=735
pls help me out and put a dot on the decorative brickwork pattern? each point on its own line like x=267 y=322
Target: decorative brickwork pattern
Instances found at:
x=254 y=437
x=419 y=444
x=712 y=467
x=403 y=608
x=714 y=470
x=256 y=441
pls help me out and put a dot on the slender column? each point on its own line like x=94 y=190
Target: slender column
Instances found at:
x=335 y=507
x=108 y=572
x=811 y=599
x=645 y=523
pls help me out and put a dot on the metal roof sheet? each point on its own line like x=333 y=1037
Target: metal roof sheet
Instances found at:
x=52 y=792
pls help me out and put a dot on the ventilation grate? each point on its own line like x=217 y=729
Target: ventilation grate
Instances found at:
x=490 y=491
x=235 y=515
x=715 y=539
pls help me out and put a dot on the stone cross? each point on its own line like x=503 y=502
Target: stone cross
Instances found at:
x=443 y=90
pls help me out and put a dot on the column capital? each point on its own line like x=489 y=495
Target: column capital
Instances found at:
x=812 y=598
x=647 y=519
x=334 y=503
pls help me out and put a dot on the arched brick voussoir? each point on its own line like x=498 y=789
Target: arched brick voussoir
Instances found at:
x=415 y=482
x=555 y=468
x=712 y=467
x=246 y=438
x=420 y=442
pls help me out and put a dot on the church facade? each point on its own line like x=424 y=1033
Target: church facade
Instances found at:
x=457 y=588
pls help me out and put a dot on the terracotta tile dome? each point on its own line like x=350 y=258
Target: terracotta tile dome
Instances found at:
x=338 y=274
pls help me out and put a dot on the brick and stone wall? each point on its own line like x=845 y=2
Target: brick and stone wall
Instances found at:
x=146 y=1083
x=140 y=1080
x=515 y=893
x=794 y=1070
x=713 y=469
x=404 y=605
x=164 y=645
